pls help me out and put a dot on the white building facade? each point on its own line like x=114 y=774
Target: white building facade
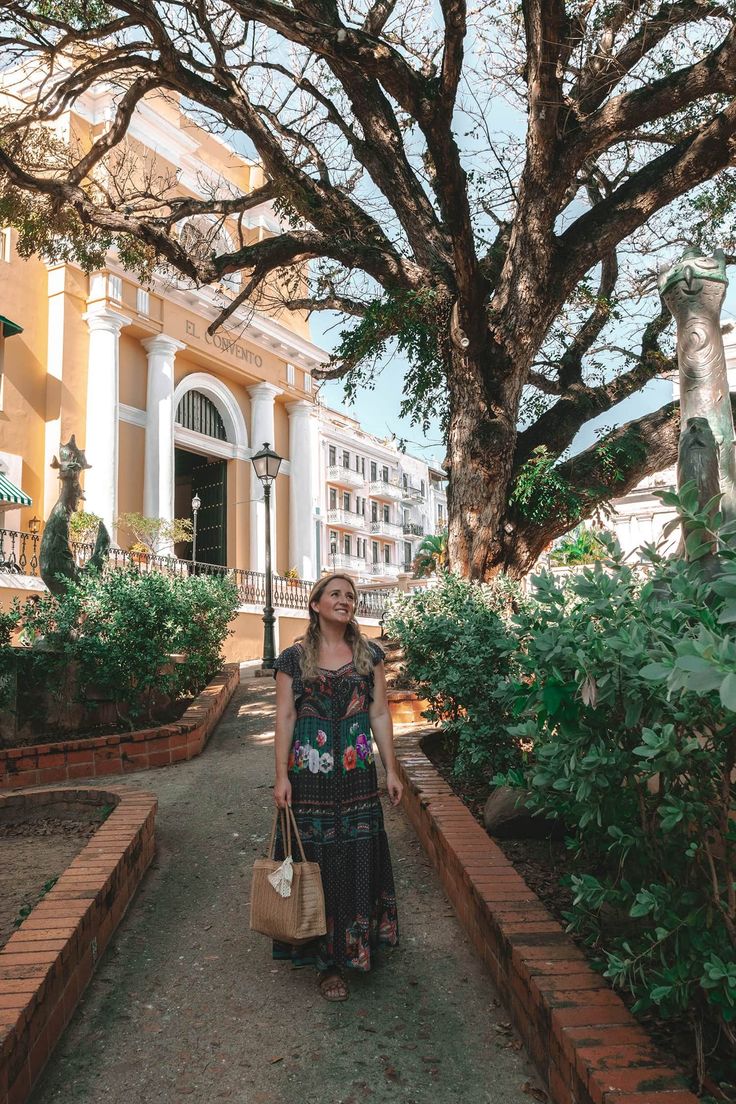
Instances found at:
x=376 y=503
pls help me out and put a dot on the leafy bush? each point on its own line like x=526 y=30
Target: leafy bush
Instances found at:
x=581 y=546
x=459 y=651
x=630 y=699
x=9 y=621
x=118 y=630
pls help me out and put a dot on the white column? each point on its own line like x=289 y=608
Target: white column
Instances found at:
x=262 y=432
x=101 y=443
x=158 y=478
x=303 y=487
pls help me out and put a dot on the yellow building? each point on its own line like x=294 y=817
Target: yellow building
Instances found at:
x=164 y=410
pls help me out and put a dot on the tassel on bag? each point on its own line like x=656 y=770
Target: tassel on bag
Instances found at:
x=287 y=901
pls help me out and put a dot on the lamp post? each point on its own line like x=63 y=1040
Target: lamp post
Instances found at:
x=267 y=464
x=196 y=503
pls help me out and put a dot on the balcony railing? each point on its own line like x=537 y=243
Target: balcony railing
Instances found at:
x=346 y=519
x=343 y=561
x=346 y=477
x=387 y=529
x=19 y=556
x=412 y=530
x=379 y=488
x=386 y=569
x=412 y=493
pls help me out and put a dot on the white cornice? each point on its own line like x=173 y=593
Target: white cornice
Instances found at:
x=132 y=414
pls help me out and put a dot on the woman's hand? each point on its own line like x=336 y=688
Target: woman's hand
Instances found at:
x=282 y=793
x=394 y=787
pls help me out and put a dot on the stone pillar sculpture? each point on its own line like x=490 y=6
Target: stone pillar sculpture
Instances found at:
x=693 y=289
x=56 y=562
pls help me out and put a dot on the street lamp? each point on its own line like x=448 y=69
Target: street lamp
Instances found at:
x=267 y=464
x=196 y=503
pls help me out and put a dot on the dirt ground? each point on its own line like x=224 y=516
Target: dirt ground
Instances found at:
x=31 y=855
x=187 y=1004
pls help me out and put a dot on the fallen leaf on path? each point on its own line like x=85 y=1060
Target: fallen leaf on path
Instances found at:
x=278 y=1059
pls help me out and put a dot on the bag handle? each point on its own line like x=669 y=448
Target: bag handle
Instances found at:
x=288 y=820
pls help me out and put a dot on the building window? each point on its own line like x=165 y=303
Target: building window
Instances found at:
x=386 y=554
x=115 y=288
x=384 y=474
x=345 y=458
x=375 y=551
x=440 y=512
x=6 y=245
x=424 y=489
x=346 y=545
x=374 y=471
x=405 y=481
x=332 y=456
x=346 y=500
x=333 y=498
x=142 y=301
x=290 y=375
x=197 y=412
x=374 y=511
x=333 y=542
x=308 y=382
x=407 y=553
x=386 y=513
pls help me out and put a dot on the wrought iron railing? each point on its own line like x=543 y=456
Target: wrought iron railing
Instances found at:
x=19 y=555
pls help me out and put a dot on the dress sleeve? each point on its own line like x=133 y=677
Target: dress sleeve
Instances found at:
x=290 y=663
x=377 y=652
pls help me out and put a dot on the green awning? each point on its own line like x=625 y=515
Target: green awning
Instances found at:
x=10 y=329
x=9 y=493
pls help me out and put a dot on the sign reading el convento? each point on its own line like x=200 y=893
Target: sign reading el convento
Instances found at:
x=225 y=344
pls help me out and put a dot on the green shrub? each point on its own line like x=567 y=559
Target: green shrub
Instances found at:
x=631 y=704
x=9 y=621
x=117 y=631
x=459 y=651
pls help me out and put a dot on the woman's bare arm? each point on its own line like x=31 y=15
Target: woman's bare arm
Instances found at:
x=285 y=721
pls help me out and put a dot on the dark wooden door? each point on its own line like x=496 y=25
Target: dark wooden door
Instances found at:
x=209 y=481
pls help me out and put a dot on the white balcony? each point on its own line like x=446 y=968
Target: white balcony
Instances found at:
x=387 y=570
x=411 y=493
x=345 y=477
x=413 y=529
x=387 y=529
x=346 y=519
x=340 y=561
x=381 y=489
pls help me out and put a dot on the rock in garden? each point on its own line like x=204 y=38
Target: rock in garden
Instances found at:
x=507 y=817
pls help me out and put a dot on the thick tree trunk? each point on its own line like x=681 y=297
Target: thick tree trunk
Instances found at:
x=481 y=443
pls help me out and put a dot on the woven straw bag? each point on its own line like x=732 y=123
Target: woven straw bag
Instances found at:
x=287 y=901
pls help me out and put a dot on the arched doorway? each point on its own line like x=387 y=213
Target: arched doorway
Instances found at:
x=209 y=431
x=203 y=476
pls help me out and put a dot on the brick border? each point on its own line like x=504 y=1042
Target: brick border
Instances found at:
x=406 y=707
x=586 y=1044
x=66 y=760
x=47 y=963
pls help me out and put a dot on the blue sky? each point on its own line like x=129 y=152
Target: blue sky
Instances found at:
x=378 y=410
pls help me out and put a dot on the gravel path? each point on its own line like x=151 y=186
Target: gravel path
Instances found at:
x=187 y=1005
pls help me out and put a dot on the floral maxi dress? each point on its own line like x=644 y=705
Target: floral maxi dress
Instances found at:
x=335 y=801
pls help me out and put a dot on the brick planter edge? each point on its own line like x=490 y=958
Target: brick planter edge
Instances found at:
x=123 y=752
x=585 y=1043
x=47 y=963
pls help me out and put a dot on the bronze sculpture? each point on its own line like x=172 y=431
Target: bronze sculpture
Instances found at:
x=693 y=289
x=57 y=564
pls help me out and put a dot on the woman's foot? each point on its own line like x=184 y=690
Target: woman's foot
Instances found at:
x=332 y=986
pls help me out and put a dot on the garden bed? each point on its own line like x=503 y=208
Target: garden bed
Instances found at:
x=121 y=753
x=33 y=854
x=543 y=864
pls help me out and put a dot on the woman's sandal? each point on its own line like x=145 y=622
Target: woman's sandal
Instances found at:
x=332 y=986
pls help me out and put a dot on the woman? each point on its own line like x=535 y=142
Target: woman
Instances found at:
x=330 y=695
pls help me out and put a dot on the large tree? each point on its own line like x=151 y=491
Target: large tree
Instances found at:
x=508 y=253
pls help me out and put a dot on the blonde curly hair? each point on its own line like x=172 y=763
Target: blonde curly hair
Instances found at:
x=362 y=657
